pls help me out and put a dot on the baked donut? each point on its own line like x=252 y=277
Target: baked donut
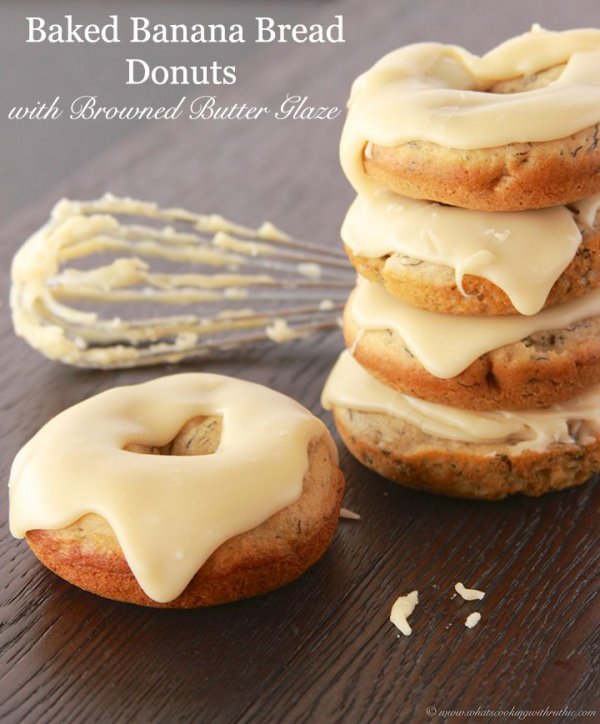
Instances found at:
x=463 y=453
x=511 y=362
x=457 y=261
x=514 y=129
x=189 y=490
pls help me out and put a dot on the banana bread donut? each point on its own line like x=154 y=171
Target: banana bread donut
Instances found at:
x=458 y=261
x=511 y=362
x=514 y=129
x=461 y=453
x=165 y=494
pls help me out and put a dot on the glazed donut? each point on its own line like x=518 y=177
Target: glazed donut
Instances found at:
x=514 y=363
x=189 y=490
x=514 y=129
x=458 y=261
x=461 y=452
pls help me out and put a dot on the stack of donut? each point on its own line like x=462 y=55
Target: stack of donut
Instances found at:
x=473 y=334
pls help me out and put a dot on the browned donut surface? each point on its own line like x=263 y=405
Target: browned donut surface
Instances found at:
x=404 y=454
x=513 y=177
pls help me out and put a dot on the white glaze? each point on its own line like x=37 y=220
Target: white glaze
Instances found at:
x=447 y=344
x=350 y=386
x=523 y=253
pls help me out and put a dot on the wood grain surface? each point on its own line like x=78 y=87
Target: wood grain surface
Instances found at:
x=321 y=649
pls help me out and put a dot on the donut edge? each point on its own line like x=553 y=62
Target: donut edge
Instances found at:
x=462 y=470
x=483 y=297
x=513 y=377
x=512 y=177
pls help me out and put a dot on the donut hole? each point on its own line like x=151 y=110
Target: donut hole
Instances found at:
x=139 y=447
x=199 y=436
x=528 y=82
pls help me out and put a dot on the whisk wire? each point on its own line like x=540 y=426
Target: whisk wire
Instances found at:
x=271 y=287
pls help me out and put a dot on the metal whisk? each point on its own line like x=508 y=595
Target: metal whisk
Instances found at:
x=87 y=285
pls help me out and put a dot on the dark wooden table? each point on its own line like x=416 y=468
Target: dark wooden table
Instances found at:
x=321 y=649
